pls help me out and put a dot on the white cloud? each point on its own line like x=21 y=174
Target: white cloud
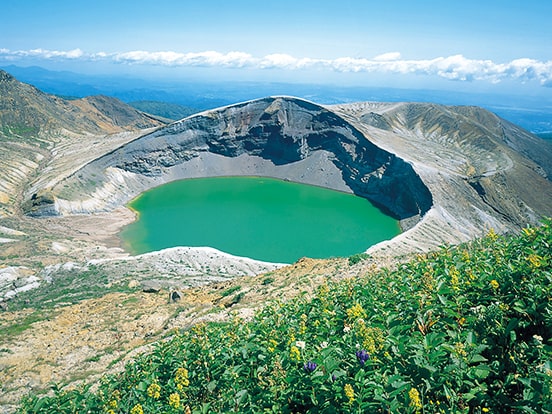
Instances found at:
x=386 y=57
x=456 y=67
x=44 y=54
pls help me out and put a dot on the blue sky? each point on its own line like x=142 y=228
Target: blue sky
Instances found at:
x=469 y=45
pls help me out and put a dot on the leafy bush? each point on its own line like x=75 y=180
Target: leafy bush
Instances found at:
x=464 y=330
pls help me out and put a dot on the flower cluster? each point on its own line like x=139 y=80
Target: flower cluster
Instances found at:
x=154 y=391
x=174 y=400
x=181 y=378
x=415 y=400
x=137 y=409
x=356 y=311
x=309 y=366
x=349 y=393
x=294 y=353
x=362 y=356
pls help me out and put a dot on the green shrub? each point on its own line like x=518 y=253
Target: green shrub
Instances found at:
x=356 y=258
x=230 y=290
x=464 y=330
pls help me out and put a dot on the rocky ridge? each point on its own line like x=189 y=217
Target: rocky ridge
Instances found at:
x=448 y=173
x=43 y=136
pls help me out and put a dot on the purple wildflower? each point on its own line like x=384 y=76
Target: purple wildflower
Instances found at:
x=362 y=356
x=310 y=366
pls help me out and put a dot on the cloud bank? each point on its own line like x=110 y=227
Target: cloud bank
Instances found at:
x=456 y=67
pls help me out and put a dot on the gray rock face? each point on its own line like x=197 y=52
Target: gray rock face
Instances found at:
x=284 y=131
x=281 y=132
x=448 y=173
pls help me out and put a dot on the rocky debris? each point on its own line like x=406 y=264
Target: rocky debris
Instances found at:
x=16 y=279
x=151 y=286
x=175 y=296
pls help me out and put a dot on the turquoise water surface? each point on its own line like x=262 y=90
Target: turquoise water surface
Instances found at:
x=262 y=218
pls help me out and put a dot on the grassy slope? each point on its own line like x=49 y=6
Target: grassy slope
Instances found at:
x=164 y=109
x=465 y=329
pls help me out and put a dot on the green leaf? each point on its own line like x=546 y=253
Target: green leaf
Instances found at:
x=478 y=358
x=482 y=371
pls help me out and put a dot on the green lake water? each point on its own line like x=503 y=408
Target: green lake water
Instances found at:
x=261 y=218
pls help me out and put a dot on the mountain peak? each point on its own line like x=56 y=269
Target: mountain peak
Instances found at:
x=5 y=76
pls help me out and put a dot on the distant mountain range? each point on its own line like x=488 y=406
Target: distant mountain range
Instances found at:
x=187 y=97
x=27 y=112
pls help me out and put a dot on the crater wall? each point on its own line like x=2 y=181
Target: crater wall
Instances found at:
x=449 y=174
x=279 y=137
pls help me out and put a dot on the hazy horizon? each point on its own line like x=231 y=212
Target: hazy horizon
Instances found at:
x=481 y=47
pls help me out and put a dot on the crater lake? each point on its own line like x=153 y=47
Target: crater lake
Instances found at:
x=261 y=218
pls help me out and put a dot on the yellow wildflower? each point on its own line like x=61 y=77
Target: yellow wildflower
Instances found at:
x=372 y=338
x=356 y=311
x=414 y=396
x=349 y=393
x=113 y=404
x=454 y=279
x=154 y=391
x=174 y=400
x=534 y=261
x=181 y=378
x=485 y=410
x=492 y=234
x=137 y=409
x=494 y=284
x=303 y=324
x=460 y=350
x=294 y=353
x=110 y=412
x=272 y=344
x=291 y=338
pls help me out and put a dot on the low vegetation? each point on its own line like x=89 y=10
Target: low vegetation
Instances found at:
x=467 y=329
x=163 y=109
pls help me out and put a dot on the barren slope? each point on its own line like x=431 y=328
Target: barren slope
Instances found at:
x=45 y=137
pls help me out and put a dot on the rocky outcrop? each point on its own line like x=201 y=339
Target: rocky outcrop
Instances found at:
x=448 y=173
x=483 y=172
